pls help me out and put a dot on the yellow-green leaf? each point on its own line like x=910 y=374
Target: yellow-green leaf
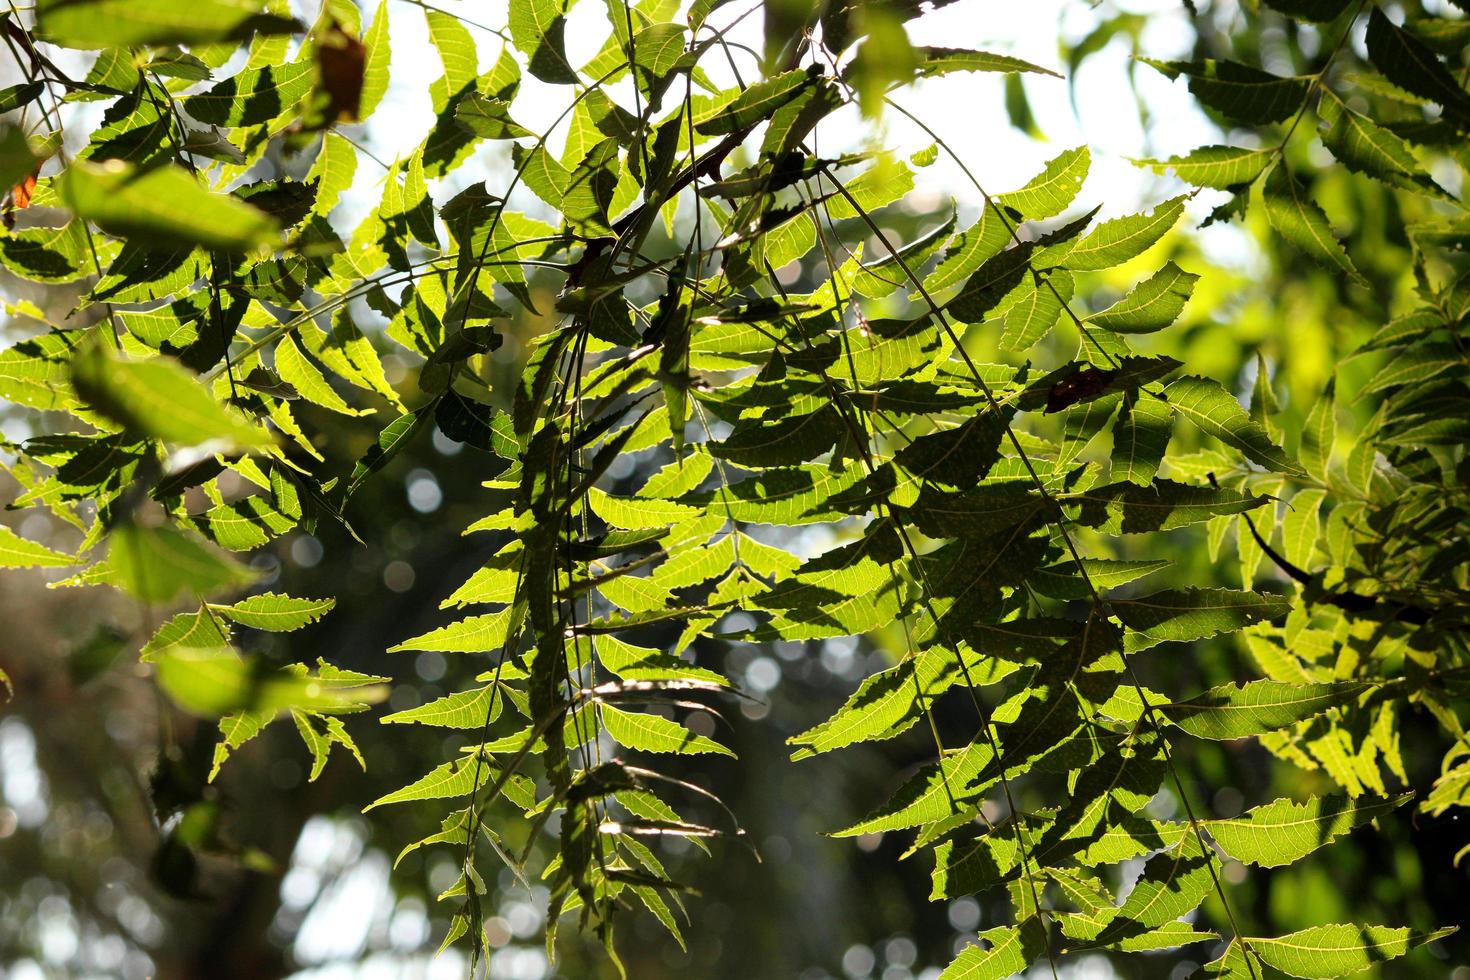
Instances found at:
x=160 y=400
x=161 y=207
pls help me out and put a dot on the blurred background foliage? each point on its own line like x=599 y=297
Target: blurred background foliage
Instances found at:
x=275 y=876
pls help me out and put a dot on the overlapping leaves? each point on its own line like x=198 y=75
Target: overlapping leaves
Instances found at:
x=965 y=498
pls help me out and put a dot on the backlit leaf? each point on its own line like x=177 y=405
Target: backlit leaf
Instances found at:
x=1216 y=412
x=1283 y=831
x=124 y=23
x=1298 y=219
x=162 y=207
x=1239 y=711
x=1152 y=305
x=19 y=552
x=276 y=613
x=1192 y=614
x=1338 y=950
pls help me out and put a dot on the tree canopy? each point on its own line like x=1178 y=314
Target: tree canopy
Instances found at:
x=1117 y=522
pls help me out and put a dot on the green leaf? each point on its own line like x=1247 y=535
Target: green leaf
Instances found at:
x=50 y=255
x=887 y=703
x=454 y=829
x=197 y=629
x=1451 y=789
x=1172 y=885
x=638 y=512
x=161 y=207
x=465 y=710
x=843 y=592
x=1255 y=708
x=350 y=355
x=1063 y=581
x=474 y=634
x=36 y=372
x=1365 y=147
x=455 y=778
x=1125 y=508
x=635 y=593
x=651 y=733
x=1301 y=526
x=756 y=103
x=1240 y=92
x=235 y=730
x=1216 y=412
x=647 y=664
x=488 y=118
x=275 y=613
x=390 y=441
x=1284 y=831
x=126 y=23
x=333 y=170
x=254 y=96
x=1123 y=780
x=538 y=28
x=298 y=372
x=159 y=564
x=18 y=552
x=1298 y=219
x=320 y=732
x=960 y=457
x=456 y=49
x=1445 y=35
x=886 y=181
x=496 y=582
x=17 y=161
x=941 y=61
x=543 y=174
x=1182 y=615
x=789 y=440
x=965 y=867
x=1049 y=192
x=1036 y=310
x=218 y=681
x=1140 y=438
x=990 y=285
x=1007 y=952
x=375 y=67
x=1414 y=364
x=930 y=794
x=657 y=48
x=212 y=143
x=970 y=249
x=681 y=476
x=589 y=188
x=11 y=98
x=244 y=524
x=885 y=60
x=1115 y=242
x=1340 y=949
x=1220 y=167
x=880 y=278
x=1319 y=434
x=1409 y=64
x=160 y=400
x=787 y=496
x=1152 y=305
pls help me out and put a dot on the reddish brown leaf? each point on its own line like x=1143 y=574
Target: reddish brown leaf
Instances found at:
x=1087 y=383
x=20 y=195
x=341 y=58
